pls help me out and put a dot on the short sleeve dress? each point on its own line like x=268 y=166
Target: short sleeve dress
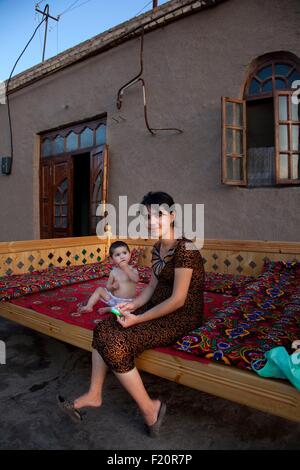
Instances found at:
x=120 y=346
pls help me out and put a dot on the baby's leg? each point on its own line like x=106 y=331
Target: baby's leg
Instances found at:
x=103 y=310
x=106 y=297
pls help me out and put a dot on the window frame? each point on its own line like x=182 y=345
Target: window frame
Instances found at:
x=234 y=155
x=270 y=62
x=289 y=122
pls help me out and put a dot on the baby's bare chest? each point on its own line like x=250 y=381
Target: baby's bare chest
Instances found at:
x=120 y=276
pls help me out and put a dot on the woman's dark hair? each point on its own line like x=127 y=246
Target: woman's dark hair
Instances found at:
x=158 y=198
x=116 y=245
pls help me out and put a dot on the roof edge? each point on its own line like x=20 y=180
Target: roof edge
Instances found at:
x=166 y=13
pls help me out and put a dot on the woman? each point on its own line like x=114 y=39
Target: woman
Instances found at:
x=168 y=308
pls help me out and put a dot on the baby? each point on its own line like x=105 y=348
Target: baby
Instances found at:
x=121 y=284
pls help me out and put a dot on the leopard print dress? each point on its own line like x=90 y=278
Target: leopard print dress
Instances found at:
x=119 y=346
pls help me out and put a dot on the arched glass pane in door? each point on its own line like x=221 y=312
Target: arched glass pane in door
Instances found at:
x=61 y=205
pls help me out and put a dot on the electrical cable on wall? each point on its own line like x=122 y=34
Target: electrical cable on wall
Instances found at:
x=115 y=41
x=7 y=95
x=133 y=81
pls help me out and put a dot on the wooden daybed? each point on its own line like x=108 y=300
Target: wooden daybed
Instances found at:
x=228 y=256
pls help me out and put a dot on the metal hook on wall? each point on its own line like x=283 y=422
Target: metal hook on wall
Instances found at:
x=135 y=80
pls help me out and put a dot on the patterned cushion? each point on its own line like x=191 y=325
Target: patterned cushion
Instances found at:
x=136 y=254
x=278 y=266
x=18 y=285
x=231 y=284
x=144 y=273
x=266 y=315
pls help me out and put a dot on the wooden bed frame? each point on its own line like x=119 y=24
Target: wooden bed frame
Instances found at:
x=228 y=256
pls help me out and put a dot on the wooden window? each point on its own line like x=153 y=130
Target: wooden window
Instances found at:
x=271 y=76
x=233 y=141
x=74 y=138
x=287 y=122
x=263 y=149
x=72 y=142
x=58 y=145
x=46 y=147
x=86 y=138
x=101 y=135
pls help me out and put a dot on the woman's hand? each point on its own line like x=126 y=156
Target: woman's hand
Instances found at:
x=126 y=307
x=128 y=319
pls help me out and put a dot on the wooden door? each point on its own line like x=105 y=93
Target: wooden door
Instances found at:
x=62 y=197
x=46 y=206
x=98 y=182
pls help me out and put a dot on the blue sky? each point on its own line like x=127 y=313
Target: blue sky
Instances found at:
x=79 y=20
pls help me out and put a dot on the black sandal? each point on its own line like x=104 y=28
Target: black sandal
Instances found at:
x=68 y=408
x=153 y=429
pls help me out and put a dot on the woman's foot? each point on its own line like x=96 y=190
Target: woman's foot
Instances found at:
x=103 y=310
x=155 y=419
x=151 y=418
x=87 y=400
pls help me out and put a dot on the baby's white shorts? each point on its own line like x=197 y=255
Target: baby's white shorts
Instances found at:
x=113 y=300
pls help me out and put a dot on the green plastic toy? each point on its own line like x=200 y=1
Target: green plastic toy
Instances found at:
x=115 y=311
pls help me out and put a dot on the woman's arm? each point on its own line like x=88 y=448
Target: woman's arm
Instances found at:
x=181 y=286
x=146 y=294
x=182 y=281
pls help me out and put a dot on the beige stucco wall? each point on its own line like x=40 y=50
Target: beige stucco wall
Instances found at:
x=189 y=65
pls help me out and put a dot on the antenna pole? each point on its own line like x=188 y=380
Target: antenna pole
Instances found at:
x=47 y=15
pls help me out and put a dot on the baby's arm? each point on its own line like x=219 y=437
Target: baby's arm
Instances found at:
x=112 y=283
x=134 y=275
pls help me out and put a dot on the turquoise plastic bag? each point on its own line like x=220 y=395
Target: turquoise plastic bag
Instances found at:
x=282 y=366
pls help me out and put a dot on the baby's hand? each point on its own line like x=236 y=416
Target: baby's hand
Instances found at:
x=123 y=264
x=85 y=309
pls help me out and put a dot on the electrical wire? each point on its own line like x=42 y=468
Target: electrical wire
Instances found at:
x=7 y=87
x=40 y=39
x=143 y=8
x=69 y=9
x=57 y=37
x=37 y=5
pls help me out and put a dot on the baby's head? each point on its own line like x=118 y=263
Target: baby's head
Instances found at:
x=119 y=251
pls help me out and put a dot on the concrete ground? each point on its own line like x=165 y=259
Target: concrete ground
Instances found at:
x=38 y=367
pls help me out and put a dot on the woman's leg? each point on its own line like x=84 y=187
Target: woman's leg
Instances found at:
x=132 y=382
x=94 y=396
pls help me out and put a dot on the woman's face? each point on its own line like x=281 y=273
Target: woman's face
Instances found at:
x=160 y=222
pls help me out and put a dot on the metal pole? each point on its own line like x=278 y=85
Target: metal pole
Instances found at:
x=46 y=30
x=47 y=15
x=155 y=2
